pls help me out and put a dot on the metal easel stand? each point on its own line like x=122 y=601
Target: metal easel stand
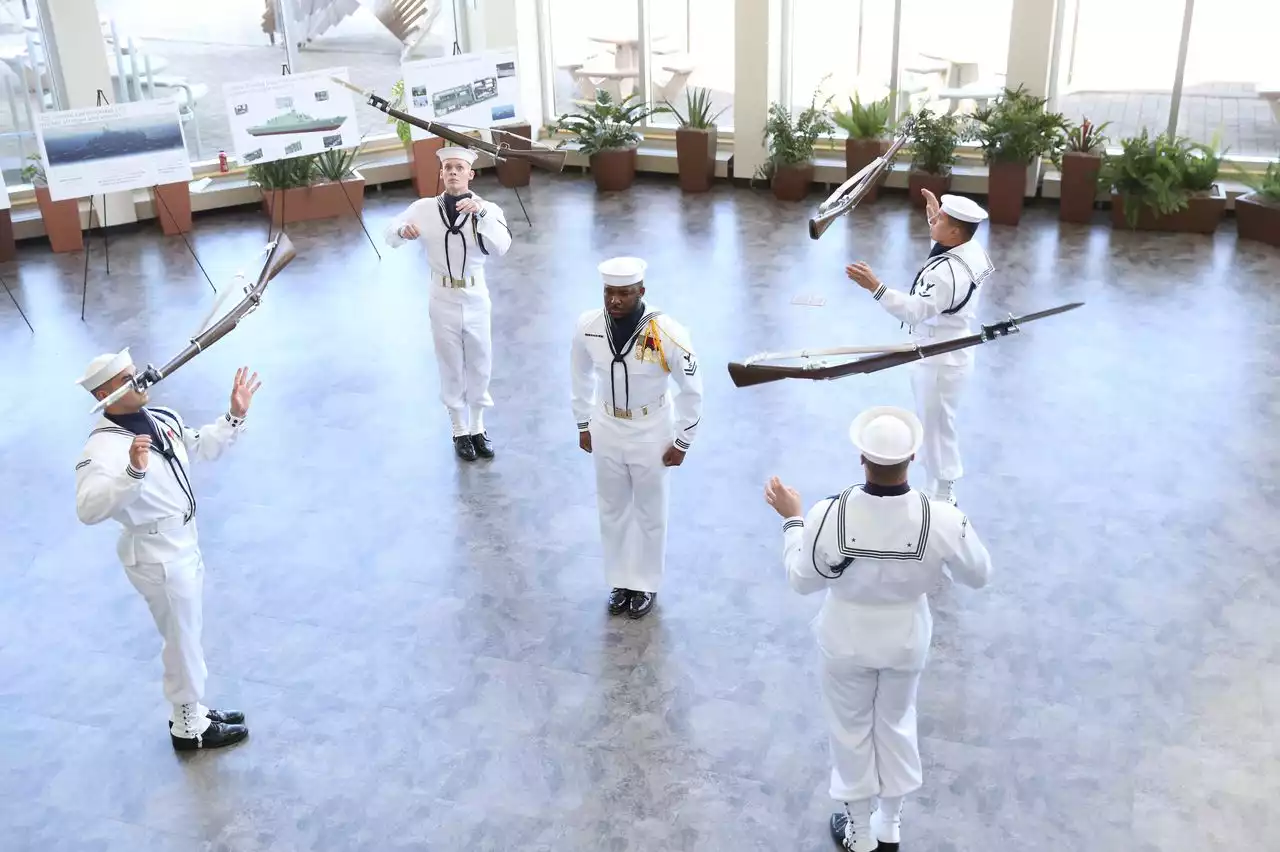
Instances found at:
x=15 y=303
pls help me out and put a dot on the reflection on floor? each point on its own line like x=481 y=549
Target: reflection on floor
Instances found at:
x=422 y=647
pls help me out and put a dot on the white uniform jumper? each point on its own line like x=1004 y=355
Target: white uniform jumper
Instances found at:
x=460 y=306
x=633 y=420
x=877 y=552
x=942 y=305
x=158 y=545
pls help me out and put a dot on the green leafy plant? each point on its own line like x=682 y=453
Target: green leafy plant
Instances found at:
x=791 y=140
x=1161 y=173
x=34 y=173
x=1086 y=137
x=403 y=130
x=336 y=164
x=606 y=125
x=697 y=114
x=870 y=121
x=933 y=141
x=1017 y=128
x=284 y=174
x=1266 y=185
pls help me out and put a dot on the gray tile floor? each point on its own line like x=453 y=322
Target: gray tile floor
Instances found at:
x=421 y=645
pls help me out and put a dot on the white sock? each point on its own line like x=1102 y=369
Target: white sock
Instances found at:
x=857 y=832
x=887 y=820
x=189 y=720
x=477 y=420
x=459 y=421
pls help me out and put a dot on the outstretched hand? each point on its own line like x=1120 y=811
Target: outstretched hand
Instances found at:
x=931 y=206
x=242 y=392
x=784 y=499
x=861 y=274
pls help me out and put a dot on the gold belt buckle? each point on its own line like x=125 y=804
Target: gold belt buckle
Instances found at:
x=454 y=283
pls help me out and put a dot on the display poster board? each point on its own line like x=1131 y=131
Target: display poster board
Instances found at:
x=293 y=115
x=113 y=148
x=471 y=89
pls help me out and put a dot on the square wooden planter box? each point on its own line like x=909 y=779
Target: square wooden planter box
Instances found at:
x=173 y=207
x=319 y=201
x=61 y=221
x=425 y=166
x=1258 y=220
x=1201 y=216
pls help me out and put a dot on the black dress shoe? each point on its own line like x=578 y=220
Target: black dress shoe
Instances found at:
x=641 y=603
x=217 y=735
x=464 y=448
x=230 y=717
x=484 y=447
x=618 y=600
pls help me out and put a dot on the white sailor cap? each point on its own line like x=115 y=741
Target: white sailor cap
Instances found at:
x=622 y=271
x=457 y=152
x=104 y=368
x=964 y=209
x=886 y=435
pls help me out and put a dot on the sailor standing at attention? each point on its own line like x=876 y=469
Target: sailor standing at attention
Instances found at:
x=941 y=305
x=623 y=360
x=134 y=471
x=459 y=230
x=876 y=549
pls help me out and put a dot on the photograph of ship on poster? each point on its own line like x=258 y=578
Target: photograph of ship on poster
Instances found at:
x=112 y=148
x=293 y=115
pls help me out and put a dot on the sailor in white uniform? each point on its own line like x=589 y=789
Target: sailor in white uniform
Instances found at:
x=134 y=471
x=624 y=359
x=876 y=549
x=459 y=232
x=941 y=305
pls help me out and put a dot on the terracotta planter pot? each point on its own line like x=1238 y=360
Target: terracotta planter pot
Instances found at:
x=1006 y=186
x=916 y=181
x=858 y=154
x=319 y=201
x=61 y=221
x=426 y=166
x=1257 y=219
x=792 y=183
x=1079 y=187
x=696 y=158
x=614 y=170
x=173 y=207
x=513 y=173
x=1201 y=216
x=8 y=248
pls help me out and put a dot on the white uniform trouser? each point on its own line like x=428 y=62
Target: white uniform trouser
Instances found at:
x=871 y=719
x=174 y=591
x=460 y=330
x=938 y=389
x=632 y=489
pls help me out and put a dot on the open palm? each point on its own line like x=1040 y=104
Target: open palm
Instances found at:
x=242 y=392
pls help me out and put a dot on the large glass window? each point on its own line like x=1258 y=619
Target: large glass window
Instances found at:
x=189 y=50
x=953 y=61
x=840 y=50
x=27 y=90
x=594 y=44
x=1105 y=76
x=1231 y=83
x=693 y=47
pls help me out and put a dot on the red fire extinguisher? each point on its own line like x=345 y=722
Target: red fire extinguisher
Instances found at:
x=222 y=162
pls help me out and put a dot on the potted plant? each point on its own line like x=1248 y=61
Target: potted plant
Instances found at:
x=1013 y=132
x=789 y=167
x=868 y=127
x=1258 y=212
x=320 y=186
x=1079 y=166
x=696 y=140
x=933 y=152
x=424 y=162
x=1164 y=184
x=606 y=132
x=61 y=218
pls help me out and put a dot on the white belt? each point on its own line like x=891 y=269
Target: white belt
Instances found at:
x=175 y=522
x=638 y=412
x=456 y=283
